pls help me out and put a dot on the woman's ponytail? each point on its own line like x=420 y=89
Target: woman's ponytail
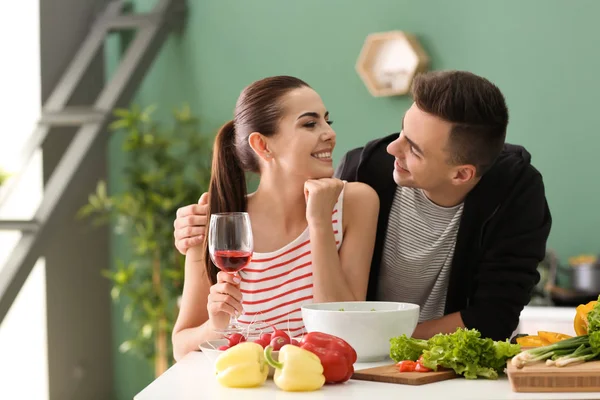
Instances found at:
x=227 y=190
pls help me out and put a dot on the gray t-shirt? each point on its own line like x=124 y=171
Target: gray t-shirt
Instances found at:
x=418 y=252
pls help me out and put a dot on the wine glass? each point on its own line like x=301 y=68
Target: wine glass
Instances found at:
x=230 y=244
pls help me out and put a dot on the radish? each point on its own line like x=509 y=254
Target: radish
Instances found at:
x=235 y=338
x=278 y=342
x=265 y=337
x=263 y=343
x=280 y=334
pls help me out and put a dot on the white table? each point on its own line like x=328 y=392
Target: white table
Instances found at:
x=193 y=378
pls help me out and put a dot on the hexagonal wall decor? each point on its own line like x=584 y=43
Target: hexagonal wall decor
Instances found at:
x=389 y=61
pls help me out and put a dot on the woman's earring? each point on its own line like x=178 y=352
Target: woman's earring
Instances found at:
x=268 y=155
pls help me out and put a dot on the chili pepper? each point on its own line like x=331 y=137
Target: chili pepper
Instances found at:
x=581 y=322
x=406 y=366
x=336 y=355
x=297 y=370
x=242 y=366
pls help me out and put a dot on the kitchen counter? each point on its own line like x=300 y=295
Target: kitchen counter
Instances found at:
x=193 y=378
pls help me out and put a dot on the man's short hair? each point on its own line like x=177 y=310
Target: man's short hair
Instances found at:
x=475 y=107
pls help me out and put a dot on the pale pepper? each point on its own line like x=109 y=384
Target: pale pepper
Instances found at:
x=242 y=366
x=297 y=369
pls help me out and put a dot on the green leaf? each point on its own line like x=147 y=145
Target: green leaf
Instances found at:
x=128 y=312
x=101 y=190
x=405 y=348
x=126 y=346
x=118 y=124
x=107 y=274
x=147 y=331
x=148 y=112
x=121 y=112
x=115 y=292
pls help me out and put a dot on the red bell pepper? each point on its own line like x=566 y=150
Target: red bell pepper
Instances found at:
x=336 y=355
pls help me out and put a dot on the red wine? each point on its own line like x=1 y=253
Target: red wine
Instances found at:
x=232 y=260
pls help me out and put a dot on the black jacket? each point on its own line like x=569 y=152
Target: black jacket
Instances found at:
x=501 y=238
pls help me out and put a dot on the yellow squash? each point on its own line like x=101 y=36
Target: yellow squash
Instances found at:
x=242 y=366
x=581 y=322
x=297 y=369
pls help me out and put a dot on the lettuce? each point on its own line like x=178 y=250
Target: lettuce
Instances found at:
x=464 y=351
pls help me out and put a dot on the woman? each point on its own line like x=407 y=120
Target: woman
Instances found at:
x=313 y=235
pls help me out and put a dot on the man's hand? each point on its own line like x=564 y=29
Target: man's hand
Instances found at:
x=190 y=224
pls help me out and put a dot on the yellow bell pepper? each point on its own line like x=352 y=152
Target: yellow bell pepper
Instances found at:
x=242 y=366
x=532 y=341
x=553 y=337
x=581 y=322
x=297 y=369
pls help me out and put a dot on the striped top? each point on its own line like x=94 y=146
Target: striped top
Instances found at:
x=275 y=285
x=418 y=252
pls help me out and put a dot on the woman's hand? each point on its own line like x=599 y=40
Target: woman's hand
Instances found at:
x=224 y=300
x=321 y=196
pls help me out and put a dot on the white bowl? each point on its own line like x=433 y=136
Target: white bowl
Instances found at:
x=367 y=326
x=210 y=350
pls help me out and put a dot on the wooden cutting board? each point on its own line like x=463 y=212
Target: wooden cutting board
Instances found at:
x=542 y=378
x=390 y=374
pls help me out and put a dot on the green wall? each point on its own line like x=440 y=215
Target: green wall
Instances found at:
x=542 y=54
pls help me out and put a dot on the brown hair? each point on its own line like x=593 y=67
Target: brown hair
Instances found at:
x=474 y=106
x=258 y=109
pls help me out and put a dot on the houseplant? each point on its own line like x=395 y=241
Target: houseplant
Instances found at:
x=166 y=167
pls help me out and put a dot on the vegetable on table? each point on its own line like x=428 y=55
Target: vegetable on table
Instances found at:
x=581 y=321
x=242 y=366
x=406 y=366
x=464 y=351
x=576 y=350
x=412 y=366
x=543 y=338
x=335 y=354
x=297 y=370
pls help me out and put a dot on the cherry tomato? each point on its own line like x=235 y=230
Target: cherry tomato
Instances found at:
x=406 y=366
x=224 y=347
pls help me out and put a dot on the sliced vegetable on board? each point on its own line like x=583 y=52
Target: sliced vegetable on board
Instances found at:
x=581 y=321
x=406 y=366
x=579 y=349
x=464 y=351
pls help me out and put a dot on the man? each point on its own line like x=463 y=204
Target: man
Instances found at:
x=463 y=217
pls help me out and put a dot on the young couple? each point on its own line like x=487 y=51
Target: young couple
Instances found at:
x=443 y=214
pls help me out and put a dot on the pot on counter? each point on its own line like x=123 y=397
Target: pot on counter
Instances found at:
x=585 y=274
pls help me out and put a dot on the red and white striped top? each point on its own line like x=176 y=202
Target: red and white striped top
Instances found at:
x=275 y=285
